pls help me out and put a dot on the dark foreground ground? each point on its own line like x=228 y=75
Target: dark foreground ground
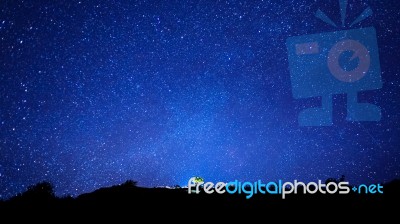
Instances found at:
x=131 y=200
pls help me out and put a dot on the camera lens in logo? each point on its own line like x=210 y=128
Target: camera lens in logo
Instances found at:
x=359 y=51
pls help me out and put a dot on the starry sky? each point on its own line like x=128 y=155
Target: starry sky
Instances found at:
x=93 y=93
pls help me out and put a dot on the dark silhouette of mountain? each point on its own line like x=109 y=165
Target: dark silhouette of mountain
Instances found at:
x=128 y=196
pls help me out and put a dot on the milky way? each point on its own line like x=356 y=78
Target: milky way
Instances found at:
x=93 y=93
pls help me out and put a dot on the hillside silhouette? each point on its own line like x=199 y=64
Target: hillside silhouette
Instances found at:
x=129 y=196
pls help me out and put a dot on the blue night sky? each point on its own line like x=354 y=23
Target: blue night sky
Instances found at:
x=93 y=93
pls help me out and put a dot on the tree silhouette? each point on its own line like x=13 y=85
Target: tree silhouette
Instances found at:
x=42 y=191
x=129 y=183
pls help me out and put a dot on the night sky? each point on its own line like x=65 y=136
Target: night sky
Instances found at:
x=93 y=93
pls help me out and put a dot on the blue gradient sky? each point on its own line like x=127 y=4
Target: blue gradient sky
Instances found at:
x=93 y=93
